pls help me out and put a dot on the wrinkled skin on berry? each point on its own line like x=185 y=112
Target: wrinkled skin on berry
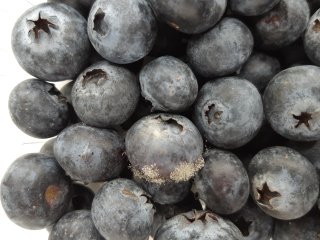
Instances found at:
x=122 y=31
x=222 y=50
x=252 y=8
x=39 y=39
x=164 y=148
x=284 y=183
x=260 y=69
x=47 y=147
x=82 y=197
x=312 y=38
x=281 y=26
x=131 y=215
x=105 y=95
x=82 y=6
x=291 y=103
x=35 y=192
x=190 y=16
x=76 y=225
x=223 y=183
x=89 y=154
x=169 y=84
x=198 y=225
x=228 y=112
x=38 y=108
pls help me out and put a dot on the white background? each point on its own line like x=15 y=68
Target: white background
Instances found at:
x=14 y=143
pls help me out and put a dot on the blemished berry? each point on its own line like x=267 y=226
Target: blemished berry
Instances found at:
x=35 y=192
x=122 y=210
x=251 y=7
x=312 y=38
x=164 y=148
x=43 y=42
x=284 y=183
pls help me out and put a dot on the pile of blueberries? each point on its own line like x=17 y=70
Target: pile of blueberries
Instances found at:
x=185 y=120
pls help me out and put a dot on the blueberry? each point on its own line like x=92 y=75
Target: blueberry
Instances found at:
x=307 y=227
x=223 y=183
x=38 y=108
x=312 y=38
x=222 y=50
x=228 y=112
x=89 y=154
x=122 y=210
x=253 y=223
x=164 y=148
x=43 y=42
x=190 y=16
x=47 y=147
x=198 y=225
x=291 y=103
x=82 y=197
x=283 y=24
x=105 y=95
x=168 y=193
x=35 y=191
x=76 y=225
x=169 y=84
x=122 y=31
x=284 y=184
x=260 y=69
x=82 y=6
x=252 y=8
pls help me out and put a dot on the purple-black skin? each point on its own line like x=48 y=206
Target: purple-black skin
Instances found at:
x=76 y=225
x=291 y=103
x=168 y=193
x=89 y=154
x=228 y=112
x=312 y=38
x=82 y=197
x=284 y=183
x=47 y=147
x=35 y=192
x=222 y=50
x=281 y=26
x=253 y=223
x=169 y=84
x=122 y=31
x=190 y=16
x=123 y=210
x=105 y=95
x=43 y=42
x=252 y=7
x=260 y=69
x=307 y=227
x=82 y=6
x=164 y=148
x=198 y=225
x=223 y=182
x=38 y=108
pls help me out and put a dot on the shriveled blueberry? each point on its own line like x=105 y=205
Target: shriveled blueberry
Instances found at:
x=253 y=223
x=307 y=227
x=284 y=183
x=168 y=193
x=82 y=197
x=38 y=108
x=47 y=147
x=82 y=6
x=223 y=183
x=198 y=225
x=190 y=16
x=164 y=148
x=252 y=7
x=260 y=69
x=76 y=225
x=291 y=103
x=43 y=42
x=122 y=210
x=35 y=192
x=105 y=95
x=122 y=31
x=89 y=154
x=312 y=38
x=222 y=50
x=228 y=112
x=169 y=84
x=282 y=25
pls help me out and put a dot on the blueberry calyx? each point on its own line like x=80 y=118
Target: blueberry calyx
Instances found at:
x=265 y=195
x=41 y=24
x=316 y=26
x=97 y=22
x=303 y=118
x=170 y=122
x=201 y=215
x=210 y=112
x=94 y=76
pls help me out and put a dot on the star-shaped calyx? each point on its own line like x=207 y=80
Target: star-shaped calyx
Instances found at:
x=41 y=25
x=303 y=118
x=265 y=195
